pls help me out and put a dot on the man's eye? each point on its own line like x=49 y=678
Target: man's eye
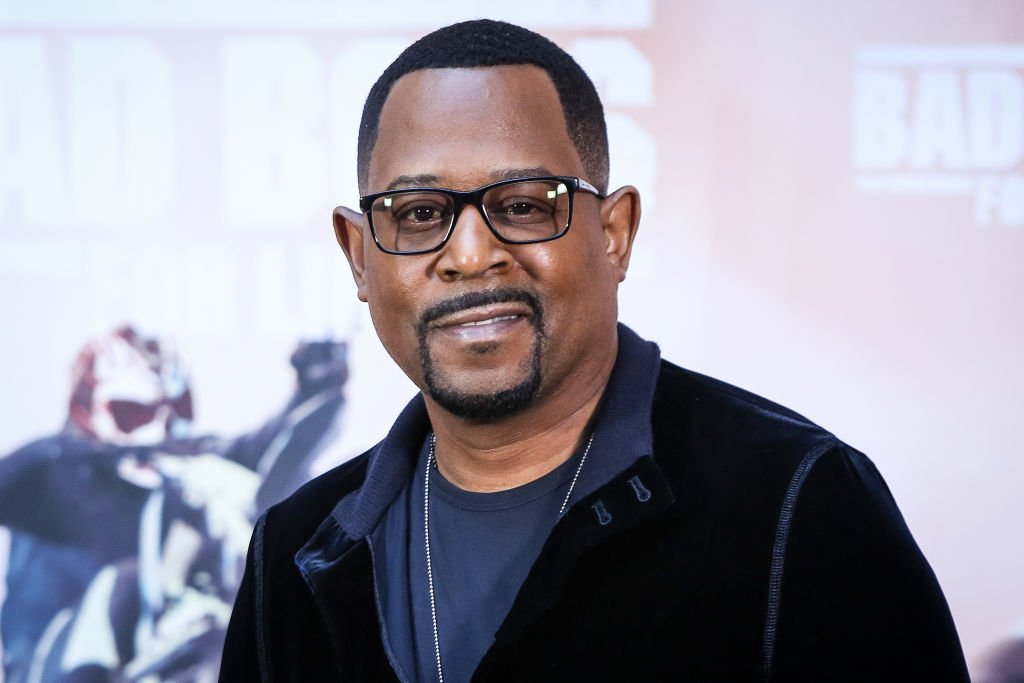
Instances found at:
x=523 y=210
x=520 y=208
x=420 y=213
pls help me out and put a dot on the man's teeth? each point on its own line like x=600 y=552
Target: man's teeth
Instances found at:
x=489 y=321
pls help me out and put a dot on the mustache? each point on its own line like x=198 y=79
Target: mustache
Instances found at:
x=480 y=298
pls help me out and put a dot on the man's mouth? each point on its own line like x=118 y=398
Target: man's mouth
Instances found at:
x=489 y=321
x=486 y=307
x=480 y=316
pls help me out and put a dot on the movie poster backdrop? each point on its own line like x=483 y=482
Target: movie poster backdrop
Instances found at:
x=833 y=200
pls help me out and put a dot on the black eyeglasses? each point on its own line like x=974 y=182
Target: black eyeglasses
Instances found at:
x=518 y=211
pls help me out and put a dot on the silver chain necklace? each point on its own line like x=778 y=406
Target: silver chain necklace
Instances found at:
x=426 y=538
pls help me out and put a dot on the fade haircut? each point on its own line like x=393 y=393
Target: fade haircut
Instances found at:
x=483 y=43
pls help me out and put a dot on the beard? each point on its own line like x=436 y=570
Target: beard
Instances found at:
x=484 y=406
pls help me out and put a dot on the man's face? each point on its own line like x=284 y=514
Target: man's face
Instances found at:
x=483 y=327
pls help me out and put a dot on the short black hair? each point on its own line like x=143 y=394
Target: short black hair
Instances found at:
x=483 y=43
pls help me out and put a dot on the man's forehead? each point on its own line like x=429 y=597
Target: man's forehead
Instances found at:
x=497 y=122
x=471 y=100
x=453 y=75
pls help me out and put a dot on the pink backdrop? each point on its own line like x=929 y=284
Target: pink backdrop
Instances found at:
x=834 y=218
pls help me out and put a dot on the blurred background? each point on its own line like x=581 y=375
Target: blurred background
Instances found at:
x=833 y=218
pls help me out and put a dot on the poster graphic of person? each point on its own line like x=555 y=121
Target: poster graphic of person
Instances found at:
x=128 y=534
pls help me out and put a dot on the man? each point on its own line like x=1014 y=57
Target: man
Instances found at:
x=559 y=503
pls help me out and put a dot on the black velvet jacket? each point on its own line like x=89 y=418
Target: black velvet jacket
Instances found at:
x=758 y=547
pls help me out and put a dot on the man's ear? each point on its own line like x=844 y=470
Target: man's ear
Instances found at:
x=348 y=229
x=620 y=216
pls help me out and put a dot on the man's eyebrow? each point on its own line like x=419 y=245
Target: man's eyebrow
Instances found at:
x=403 y=181
x=512 y=173
x=431 y=180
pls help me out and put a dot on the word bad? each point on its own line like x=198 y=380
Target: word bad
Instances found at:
x=943 y=121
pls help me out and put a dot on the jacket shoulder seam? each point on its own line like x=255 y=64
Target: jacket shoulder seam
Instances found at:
x=779 y=551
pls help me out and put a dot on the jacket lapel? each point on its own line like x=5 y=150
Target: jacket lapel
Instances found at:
x=339 y=572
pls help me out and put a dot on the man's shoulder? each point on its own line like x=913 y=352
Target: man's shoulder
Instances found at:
x=702 y=392
x=741 y=459
x=710 y=418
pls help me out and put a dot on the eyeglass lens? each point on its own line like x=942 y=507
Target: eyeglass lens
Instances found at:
x=525 y=211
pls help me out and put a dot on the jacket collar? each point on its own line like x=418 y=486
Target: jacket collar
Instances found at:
x=622 y=425
x=390 y=469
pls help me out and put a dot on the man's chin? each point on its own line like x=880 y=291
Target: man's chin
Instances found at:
x=486 y=406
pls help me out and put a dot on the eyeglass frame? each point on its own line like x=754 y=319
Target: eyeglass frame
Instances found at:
x=460 y=198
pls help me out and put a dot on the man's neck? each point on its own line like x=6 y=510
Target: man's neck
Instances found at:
x=516 y=450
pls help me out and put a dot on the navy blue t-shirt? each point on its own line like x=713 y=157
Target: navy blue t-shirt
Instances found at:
x=482 y=547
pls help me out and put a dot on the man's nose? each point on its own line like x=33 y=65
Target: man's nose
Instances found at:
x=473 y=250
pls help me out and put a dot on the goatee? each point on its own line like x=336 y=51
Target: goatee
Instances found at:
x=483 y=407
